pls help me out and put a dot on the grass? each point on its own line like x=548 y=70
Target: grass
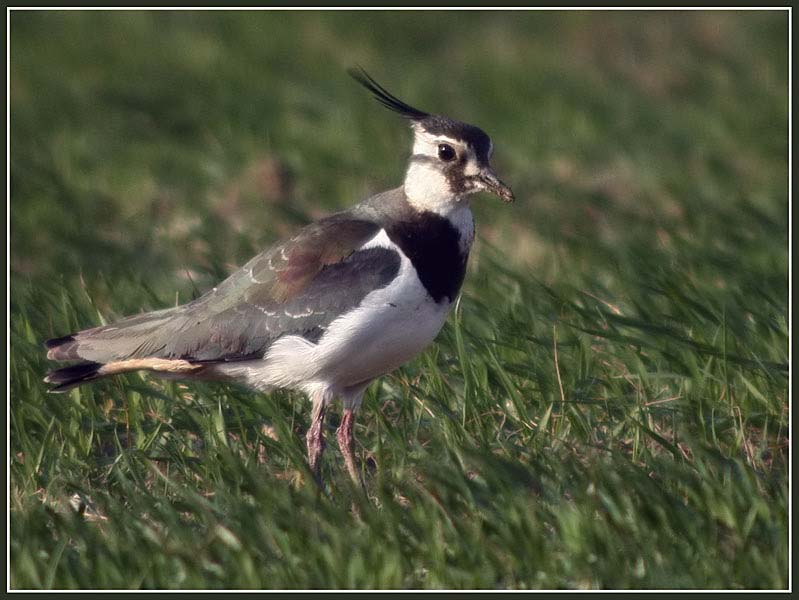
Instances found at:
x=607 y=407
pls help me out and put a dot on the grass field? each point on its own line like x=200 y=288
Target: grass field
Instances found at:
x=606 y=408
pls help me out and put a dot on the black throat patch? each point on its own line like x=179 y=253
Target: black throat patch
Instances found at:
x=433 y=245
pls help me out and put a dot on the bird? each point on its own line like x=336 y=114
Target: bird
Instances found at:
x=348 y=299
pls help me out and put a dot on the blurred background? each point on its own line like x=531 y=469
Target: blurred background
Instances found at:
x=627 y=315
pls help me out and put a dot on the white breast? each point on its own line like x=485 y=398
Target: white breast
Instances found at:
x=391 y=326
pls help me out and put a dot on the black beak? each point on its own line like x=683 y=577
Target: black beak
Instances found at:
x=492 y=184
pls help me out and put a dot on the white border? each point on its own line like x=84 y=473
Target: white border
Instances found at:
x=9 y=9
x=790 y=299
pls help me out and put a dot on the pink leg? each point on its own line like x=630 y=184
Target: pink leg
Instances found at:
x=346 y=442
x=314 y=439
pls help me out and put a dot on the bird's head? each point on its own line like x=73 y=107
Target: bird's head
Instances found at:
x=450 y=159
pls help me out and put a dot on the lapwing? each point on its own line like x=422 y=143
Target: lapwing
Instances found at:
x=349 y=298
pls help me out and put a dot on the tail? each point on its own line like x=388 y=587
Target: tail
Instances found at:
x=66 y=378
x=131 y=344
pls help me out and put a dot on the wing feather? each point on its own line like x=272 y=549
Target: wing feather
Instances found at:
x=297 y=287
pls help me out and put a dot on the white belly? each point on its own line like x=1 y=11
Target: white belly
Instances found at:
x=391 y=326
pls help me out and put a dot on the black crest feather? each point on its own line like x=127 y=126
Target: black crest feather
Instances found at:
x=385 y=97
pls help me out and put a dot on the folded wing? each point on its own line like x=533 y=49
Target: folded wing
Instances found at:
x=294 y=288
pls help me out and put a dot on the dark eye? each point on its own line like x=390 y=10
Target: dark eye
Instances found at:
x=446 y=152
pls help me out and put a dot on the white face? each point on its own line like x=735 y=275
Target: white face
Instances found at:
x=426 y=182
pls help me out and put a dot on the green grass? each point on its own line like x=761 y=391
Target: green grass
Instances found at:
x=606 y=408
